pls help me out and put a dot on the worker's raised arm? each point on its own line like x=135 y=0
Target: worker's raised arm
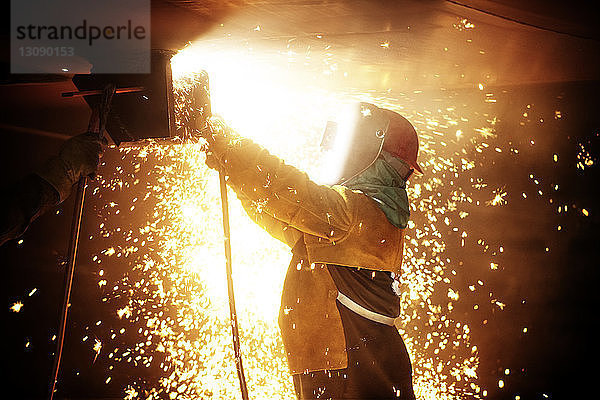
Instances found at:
x=23 y=201
x=276 y=228
x=282 y=191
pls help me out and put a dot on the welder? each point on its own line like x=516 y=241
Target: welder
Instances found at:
x=340 y=296
x=23 y=201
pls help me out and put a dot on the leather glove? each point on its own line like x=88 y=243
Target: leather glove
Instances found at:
x=77 y=158
x=216 y=135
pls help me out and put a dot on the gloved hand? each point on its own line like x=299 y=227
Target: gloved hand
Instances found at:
x=77 y=158
x=216 y=134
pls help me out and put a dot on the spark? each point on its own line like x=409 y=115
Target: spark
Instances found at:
x=97 y=348
x=16 y=307
x=124 y=312
x=463 y=24
x=499 y=198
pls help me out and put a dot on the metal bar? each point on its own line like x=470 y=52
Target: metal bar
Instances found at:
x=33 y=131
x=228 y=267
x=92 y=92
x=200 y=114
x=75 y=228
x=229 y=272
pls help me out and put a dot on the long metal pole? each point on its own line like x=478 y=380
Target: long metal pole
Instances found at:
x=96 y=125
x=202 y=111
x=75 y=228
x=228 y=267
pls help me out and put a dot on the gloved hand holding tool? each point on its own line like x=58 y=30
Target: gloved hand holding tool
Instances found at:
x=78 y=158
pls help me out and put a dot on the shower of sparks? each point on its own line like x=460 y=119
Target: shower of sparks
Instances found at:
x=161 y=216
x=463 y=24
x=584 y=159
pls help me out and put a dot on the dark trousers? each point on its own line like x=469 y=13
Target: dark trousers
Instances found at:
x=378 y=366
x=339 y=385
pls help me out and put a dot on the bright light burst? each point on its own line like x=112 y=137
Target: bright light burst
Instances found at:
x=175 y=294
x=16 y=307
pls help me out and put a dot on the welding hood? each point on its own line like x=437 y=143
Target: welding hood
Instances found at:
x=353 y=142
x=363 y=133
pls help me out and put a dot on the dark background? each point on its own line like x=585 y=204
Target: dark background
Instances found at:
x=543 y=54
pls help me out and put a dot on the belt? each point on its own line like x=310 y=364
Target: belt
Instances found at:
x=363 y=312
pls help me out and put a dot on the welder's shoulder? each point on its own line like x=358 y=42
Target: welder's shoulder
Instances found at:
x=351 y=198
x=361 y=209
x=369 y=240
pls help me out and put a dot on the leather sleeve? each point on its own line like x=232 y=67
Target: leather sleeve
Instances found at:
x=276 y=228
x=284 y=192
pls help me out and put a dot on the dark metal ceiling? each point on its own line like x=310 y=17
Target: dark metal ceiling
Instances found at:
x=393 y=44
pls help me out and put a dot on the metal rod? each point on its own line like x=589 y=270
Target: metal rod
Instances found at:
x=92 y=92
x=75 y=228
x=33 y=131
x=201 y=112
x=229 y=272
x=96 y=125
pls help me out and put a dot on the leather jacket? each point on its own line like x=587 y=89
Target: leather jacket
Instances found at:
x=322 y=225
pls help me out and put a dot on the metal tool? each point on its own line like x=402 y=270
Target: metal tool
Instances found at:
x=202 y=111
x=96 y=125
x=80 y=93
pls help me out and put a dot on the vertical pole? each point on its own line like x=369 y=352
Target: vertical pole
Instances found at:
x=201 y=112
x=229 y=272
x=75 y=228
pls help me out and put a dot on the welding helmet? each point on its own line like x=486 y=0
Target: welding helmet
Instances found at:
x=360 y=135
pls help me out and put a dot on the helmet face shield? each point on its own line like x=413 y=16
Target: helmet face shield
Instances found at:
x=353 y=142
x=328 y=139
